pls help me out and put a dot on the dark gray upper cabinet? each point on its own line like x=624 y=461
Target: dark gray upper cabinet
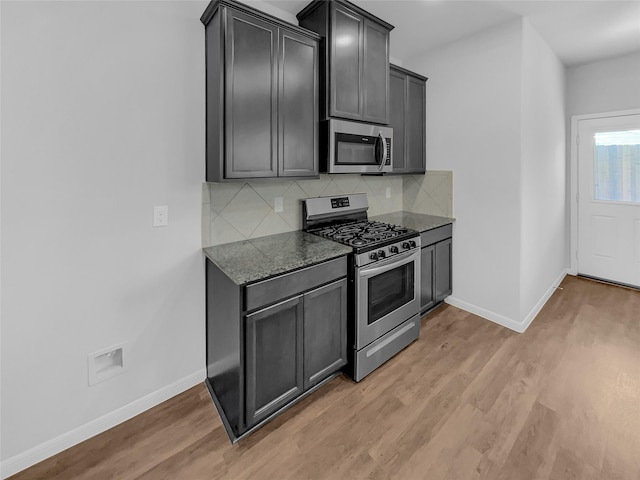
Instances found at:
x=262 y=95
x=355 y=60
x=408 y=109
x=397 y=94
x=298 y=105
x=345 y=93
x=375 y=73
x=251 y=74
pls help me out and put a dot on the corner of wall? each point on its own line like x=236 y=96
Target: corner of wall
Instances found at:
x=543 y=171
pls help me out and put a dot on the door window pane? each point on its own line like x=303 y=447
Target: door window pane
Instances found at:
x=617 y=166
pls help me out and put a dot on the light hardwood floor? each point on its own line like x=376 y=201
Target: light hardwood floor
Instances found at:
x=469 y=400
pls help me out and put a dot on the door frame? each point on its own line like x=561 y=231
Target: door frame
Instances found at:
x=573 y=187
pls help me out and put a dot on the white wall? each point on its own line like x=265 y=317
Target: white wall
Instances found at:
x=542 y=219
x=102 y=118
x=473 y=128
x=495 y=116
x=605 y=86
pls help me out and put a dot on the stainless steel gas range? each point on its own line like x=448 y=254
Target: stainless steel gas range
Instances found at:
x=384 y=278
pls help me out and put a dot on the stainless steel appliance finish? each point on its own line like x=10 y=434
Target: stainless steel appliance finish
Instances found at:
x=387 y=293
x=367 y=359
x=317 y=209
x=358 y=147
x=387 y=251
x=384 y=278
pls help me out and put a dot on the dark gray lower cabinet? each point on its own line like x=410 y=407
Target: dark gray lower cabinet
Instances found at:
x=435 y=259
x=325 y=329
x=292 y=346
x=443 y=270
x=427 y=262
x=273 y=352
x=271 y=342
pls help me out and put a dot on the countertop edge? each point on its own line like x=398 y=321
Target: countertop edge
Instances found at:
x=255 y=260
x=275 y=273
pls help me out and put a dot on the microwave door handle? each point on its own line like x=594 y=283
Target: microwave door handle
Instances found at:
x=383 y=151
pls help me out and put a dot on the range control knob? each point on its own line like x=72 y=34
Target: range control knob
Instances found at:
x=393 y=249
x=406 y=245
x=373 y=256
x=412 y=243
x=382 y=254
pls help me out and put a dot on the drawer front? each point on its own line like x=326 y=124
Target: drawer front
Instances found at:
x=435 y=235
x=292 y=283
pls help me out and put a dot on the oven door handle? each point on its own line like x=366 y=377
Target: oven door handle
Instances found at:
x=393 y=262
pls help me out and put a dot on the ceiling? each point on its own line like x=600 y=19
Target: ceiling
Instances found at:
x=578 y=31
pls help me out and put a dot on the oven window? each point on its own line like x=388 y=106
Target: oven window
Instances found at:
x=390 y=290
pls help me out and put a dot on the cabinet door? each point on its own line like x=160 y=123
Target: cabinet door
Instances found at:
x=375 y=73
x=298 y=106
x=346 y=63
x=273 y=358
x=443 y=270
x=250 y=97
x=325 y=332
x=415 y=117
x=397 y=97
x=427 y=271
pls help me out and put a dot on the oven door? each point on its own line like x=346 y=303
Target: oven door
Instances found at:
x=387 y=293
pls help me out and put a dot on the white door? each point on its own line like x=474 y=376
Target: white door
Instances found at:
x=609 y=198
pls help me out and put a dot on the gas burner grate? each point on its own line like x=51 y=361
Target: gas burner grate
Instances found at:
x=362 y=233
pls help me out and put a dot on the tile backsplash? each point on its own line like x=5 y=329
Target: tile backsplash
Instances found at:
x=431 y=193
x=239 y=211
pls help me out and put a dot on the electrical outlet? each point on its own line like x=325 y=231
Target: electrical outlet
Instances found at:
x=388 y=192
x=278 y=205
x=161 y=216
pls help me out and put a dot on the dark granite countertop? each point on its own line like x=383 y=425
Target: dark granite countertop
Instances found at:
x=416 y=221
x=260 y=258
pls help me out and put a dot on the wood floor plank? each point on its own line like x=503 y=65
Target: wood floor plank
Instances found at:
x=531 y=450
x=468 y=400
x=566 y=466
x=464 y=465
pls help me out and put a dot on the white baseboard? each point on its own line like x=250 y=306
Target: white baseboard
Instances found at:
x=486 y=314
x=56 y=445
x=511 y=324
x=547 y=295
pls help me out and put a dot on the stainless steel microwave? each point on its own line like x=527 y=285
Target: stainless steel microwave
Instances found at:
x=354 y=147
